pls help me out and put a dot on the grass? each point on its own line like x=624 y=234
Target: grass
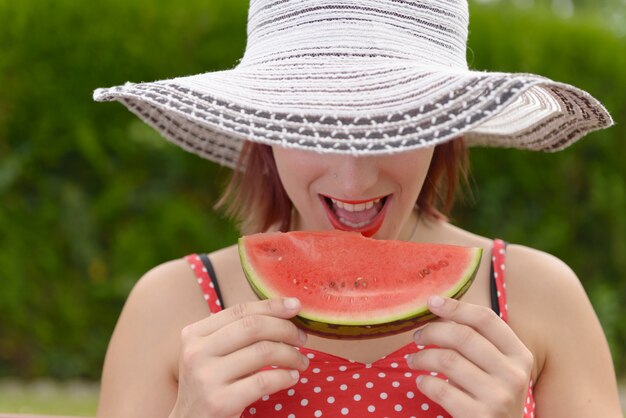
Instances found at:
x=49 y=397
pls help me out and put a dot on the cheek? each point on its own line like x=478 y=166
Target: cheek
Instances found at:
x=297 y=170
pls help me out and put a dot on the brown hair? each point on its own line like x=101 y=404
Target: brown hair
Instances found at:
x=255 y=198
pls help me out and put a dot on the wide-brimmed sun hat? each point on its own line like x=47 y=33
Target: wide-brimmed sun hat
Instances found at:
x=361 y=77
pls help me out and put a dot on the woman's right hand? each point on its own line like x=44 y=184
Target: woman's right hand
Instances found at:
x=221 y=357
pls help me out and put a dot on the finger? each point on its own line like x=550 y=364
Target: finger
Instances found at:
x=253 y=328
x=261 y=354
x=451 y=398
x=482 y=319
x=460 y=371
x=277 y=307
x=252 y=388
x=465 y=340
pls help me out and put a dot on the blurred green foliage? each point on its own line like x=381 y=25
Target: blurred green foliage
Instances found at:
x=90 y=198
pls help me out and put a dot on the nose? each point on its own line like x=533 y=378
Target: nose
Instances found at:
x=356 y=176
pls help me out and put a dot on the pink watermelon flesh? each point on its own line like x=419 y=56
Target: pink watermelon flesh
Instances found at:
x=354 y=286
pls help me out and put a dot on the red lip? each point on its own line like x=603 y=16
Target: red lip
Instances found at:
x=368 y=230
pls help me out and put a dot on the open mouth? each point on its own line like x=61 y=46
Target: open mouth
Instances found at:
x=364 y=216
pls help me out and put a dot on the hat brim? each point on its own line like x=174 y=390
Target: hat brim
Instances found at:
x=358 y=110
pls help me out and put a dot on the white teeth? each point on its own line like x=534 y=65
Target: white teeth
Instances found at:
x=355 y=208
x=352 y=224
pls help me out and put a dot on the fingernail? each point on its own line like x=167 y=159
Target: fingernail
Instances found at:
x=417 y=334
x=302 y=336
x=294 y=374
x=409 y=359
x=291 y=303
x=305 y=361
x=419 y=379
x=436 y=301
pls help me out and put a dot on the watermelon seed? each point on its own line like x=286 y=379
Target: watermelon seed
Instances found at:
x=425 y=272
x=296 y=282
x=343 y=284
x=433 y=267
x=359 y=282
x=332 y=284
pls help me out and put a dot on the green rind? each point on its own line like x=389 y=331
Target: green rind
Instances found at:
x=356 y=330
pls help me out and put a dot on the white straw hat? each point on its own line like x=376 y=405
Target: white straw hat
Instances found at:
x=361 y=77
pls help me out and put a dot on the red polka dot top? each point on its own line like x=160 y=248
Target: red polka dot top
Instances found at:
x=333 y=386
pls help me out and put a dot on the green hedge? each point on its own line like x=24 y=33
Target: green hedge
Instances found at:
x=90 y=198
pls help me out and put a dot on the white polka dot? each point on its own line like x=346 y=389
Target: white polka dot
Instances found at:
x=330 y=399
x=304 y=380
x=502 y=267
x=317 y=389
x=211 y=285
x=397 y=407
x=410 y=395
x=525 y=410
x=356 y=376
x=495 y=274
x=200 y=281
x=344 y=411
x=383 y=395
x=310 y=355
x=316 y=370
x=318 y=413
x=425 y=406
x=343 y=368
x=330 y=378
x=206 y=297
x=252 y=411
x=369 y=385
x=291 y=416
x=304 y=402
x=499 y=294
x=408 y=374
x=357 y=397
x=420 y=347
x=439 y=416
x=381 y=374
x=290 y=392
x=371 y=408
x=395 y=384
x=265 y=397
x=278 y=407
x=434 y=373
x=343 y=387
x=368 y=365
x=394 y=365
x=218 y=303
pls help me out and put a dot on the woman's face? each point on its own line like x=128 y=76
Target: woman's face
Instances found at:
x=372 y=195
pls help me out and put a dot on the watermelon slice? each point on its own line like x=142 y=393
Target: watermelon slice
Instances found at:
x=351 y=286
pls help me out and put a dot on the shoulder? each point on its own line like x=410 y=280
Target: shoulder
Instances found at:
x=162 y=302
x=145 y=344
x=547 y=304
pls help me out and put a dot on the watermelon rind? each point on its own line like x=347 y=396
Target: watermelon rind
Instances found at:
x=379 y=326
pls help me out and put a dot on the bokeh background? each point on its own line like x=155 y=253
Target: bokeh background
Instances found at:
x=90 y=198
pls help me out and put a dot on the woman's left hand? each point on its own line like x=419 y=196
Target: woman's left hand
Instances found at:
x=487 y=366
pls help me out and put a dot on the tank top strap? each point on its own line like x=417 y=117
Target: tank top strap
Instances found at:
x=498 y=284
x=205 y=275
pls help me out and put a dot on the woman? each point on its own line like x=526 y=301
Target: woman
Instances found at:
x=355 y=116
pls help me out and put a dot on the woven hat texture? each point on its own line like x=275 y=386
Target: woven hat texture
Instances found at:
x=361 y=77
